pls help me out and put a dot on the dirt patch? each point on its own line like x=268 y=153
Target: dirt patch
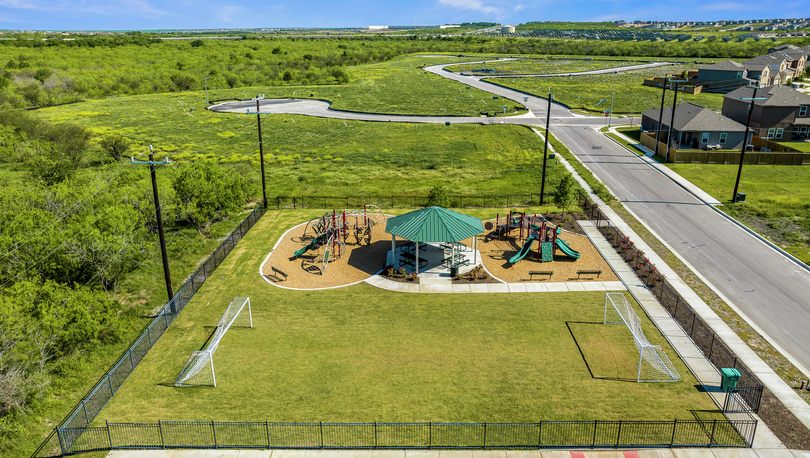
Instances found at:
x=357 y=263
x=495 y=254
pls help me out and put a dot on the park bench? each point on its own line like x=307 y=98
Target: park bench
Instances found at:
x=589 y=272
x=540 y=272
x=277 y=272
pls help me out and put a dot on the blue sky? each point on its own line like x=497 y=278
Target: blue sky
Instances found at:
x=185 y=14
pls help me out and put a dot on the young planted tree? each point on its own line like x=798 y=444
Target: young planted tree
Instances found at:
x=564 y=193
x=437 y=197
x=115 y=146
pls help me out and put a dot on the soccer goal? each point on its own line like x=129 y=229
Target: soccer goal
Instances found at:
x=199 y=369
x=653 y=364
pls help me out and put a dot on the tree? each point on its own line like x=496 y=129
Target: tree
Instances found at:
x=42 y=74
x=564 y=193
x=116 y=146
x=437 y=197
x=208 y=194
x=197 y=43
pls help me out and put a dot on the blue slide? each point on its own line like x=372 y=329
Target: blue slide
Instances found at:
x=524 y=251
x=566 y=249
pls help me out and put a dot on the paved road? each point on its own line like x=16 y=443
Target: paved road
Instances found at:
x=771 y=290
x=587 y=72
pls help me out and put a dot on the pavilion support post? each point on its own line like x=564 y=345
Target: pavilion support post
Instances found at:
x=475 y=250
x=393 y=249
x=417 y=258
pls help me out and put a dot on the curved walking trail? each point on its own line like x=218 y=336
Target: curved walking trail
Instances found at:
x=764 y=286
x=603 y=71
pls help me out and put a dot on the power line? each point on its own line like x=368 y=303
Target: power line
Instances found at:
x=61 y=217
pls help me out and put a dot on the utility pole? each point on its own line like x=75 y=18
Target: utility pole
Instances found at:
x=612 y=93
x=261 y=152
x=545 y=150
x=672 y=118
x=745 y=140
x=660 y=116
x=166 y=274
x=205 y=81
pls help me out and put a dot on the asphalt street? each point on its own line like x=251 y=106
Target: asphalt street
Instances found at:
x=767 y=287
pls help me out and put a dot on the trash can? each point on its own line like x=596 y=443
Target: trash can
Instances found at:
x=551 y=155
x=740 y=197
x=729 y=379
x=447 y=123
x=454 y=270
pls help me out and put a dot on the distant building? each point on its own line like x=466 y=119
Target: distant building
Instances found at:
x=507 y=29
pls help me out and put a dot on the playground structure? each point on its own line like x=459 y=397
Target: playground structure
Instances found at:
x=332 y=231
x=527 y=231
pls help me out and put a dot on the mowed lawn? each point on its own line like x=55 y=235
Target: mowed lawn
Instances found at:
x=364 y=354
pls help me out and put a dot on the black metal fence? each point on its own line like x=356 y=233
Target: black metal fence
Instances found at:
x=426 y=435
x=92 y=403
x=417 y=201
x=712 y=346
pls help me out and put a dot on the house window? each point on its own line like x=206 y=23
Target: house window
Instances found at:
x=771 y=132
x=803 y=131
x=803 y=110
x=779 y=133
x=795 y=131
x=723 y=137
x=704 y=138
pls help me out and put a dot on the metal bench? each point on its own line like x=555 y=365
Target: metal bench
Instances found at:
x=589 y=272
x=540 y=272
x=276 y=271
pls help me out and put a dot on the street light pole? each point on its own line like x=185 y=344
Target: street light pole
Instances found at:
x=205 y=81
x=660 y=116
x=612 y=93
x=545 y=150
x=261 y=152
x=745 y=140
x=672 y=118
x=166 y=274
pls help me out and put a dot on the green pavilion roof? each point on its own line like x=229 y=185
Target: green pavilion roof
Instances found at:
x=434 y=224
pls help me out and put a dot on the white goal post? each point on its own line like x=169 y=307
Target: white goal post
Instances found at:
x=653 y=363
x=199 y=369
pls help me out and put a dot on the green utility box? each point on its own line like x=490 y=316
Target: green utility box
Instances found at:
x=730 y=379
x=551 y=155
x=447 y=123
x=740 y=197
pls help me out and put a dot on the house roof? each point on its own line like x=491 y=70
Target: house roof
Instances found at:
x=775 y=96
x=695 y=118
x=773 y=58
x=756 y=67
x=434 y=224
x=724 y=65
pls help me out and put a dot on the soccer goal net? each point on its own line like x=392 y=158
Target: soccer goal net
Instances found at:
x=653 y=364
x=199 y=369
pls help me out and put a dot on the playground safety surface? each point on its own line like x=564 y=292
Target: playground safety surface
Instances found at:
x=359 y=262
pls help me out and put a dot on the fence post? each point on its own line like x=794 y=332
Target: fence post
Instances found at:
x=149 y=334
x=711 y=346
x=375 y=435
x=430 y=435
x=162 y=440
x=485 y=436
x=674 y=428
x=677 y=301
x=109 y=380
x=321 y=427
x=131 y=361
x=595 y=423
x=714 y=425
x=109 y=436
x=214 y=432
x=692 y=330
x=59 y=436
x=84 y=408
x=619 y=435
x=267 y=432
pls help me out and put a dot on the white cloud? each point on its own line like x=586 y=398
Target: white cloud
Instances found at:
x=729 y=6
x=101 y=7
x=519 y=7
x=231 y=14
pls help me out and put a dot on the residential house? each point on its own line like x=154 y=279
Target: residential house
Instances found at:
x=777 y=65
x=695 y=127
x=783 y=114
x=722 y=76
x=797 y=57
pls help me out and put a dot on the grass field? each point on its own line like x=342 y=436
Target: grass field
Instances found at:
x=306 y=155
x=398 y=86
x=360 y=353
x=592 y=93
x=776 y=199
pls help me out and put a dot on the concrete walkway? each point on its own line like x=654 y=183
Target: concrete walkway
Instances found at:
x=649 y=453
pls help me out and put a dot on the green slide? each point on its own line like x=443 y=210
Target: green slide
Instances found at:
x=524 y=251
x=312 y=245
x=563 y=246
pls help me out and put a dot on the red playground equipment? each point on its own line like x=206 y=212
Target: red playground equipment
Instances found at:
x=332 y=231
